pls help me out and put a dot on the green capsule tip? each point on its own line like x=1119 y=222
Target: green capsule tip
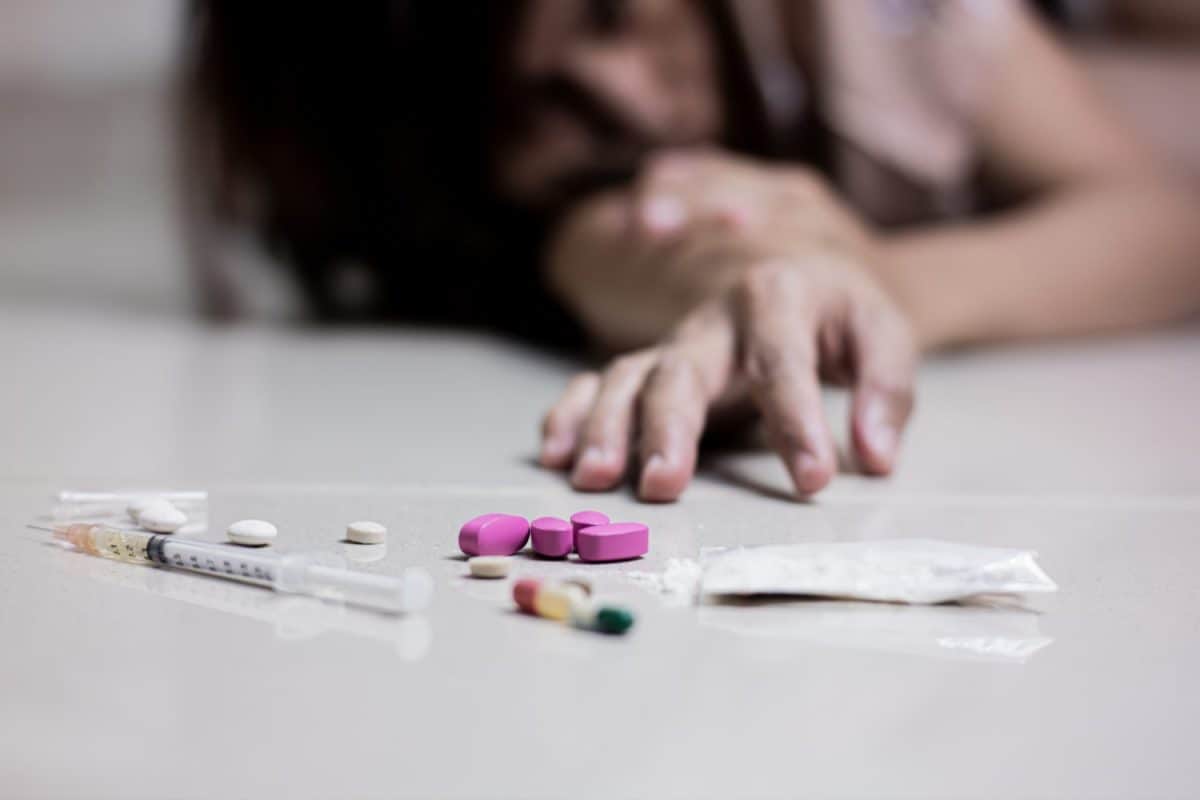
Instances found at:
x=612 y=619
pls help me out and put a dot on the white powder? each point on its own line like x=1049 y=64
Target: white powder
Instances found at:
x=891 y=570
x=677 y=583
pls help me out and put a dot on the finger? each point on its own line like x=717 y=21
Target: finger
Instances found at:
x=560 y=427
x=885 y=366
x=660 y=195
x=674 y=406
x=603 y=449
x=780 y=365
x=678 y=185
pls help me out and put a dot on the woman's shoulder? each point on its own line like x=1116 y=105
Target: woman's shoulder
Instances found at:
x=904 y=79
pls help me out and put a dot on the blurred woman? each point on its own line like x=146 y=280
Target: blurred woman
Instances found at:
x=740 y=198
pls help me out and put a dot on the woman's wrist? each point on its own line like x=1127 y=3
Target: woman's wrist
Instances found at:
x=928 y=297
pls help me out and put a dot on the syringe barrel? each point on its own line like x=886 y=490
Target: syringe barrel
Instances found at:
x=225 y=561
x=105 y=540
x=324 y=577
x=316 y=575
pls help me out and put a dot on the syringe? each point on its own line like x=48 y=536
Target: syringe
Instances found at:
x=317 y=575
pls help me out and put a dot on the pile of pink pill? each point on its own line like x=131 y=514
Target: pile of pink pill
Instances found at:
x=589 y=534
x=491 y=538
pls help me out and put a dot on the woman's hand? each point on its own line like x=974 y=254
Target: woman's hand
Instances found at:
x=679 y=187
x=632 y=263
x=797 y=305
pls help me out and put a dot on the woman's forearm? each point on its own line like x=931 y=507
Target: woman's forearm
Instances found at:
x=1096 y=257
x=1102 y=254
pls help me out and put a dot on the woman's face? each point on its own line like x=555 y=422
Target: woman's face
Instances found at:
x=594 y=85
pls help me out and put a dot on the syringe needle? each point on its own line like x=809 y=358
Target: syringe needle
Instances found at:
x=40 y=528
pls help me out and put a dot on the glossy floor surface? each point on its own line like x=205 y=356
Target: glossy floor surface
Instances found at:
x=133 y=682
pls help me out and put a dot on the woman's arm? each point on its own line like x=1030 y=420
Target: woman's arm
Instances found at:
x=1100 y=238
x=1104 y=239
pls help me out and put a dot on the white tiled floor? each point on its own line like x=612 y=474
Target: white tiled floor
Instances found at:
x=120 y=681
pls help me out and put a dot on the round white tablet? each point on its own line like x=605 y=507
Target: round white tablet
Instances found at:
x=365 y=532
x=489 y=566
x=251 y=532
x=162 y=516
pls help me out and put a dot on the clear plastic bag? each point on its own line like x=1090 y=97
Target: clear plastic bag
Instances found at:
x=111 y=508
x=889 y=570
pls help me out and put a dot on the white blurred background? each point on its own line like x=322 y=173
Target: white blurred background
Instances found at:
x=86 y=209
x=85 y=203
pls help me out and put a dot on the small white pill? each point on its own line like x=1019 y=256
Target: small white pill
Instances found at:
x=489 y=566
x=365 y=532
x=251 y=532
x=138 y=505
x=162 y=516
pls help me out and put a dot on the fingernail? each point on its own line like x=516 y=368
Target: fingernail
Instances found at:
x=809 y=475
x=882 y=438
x=592 y=457
x=881 y=434
x=656 y=463
x=554 y=448
x=663 y=214
x=651 y=486
x=594 y=454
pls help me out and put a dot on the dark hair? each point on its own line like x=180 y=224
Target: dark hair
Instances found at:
x=361 y=134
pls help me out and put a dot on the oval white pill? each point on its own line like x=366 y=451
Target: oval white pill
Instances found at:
x=251 y=532
x=365 y=532
x=489 y=566
x=162 y=516
x=138 y=505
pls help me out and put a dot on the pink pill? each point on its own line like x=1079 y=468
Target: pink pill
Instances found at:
x=585 y=519
x=552 y=537
x=615 y=542
x=493 y=535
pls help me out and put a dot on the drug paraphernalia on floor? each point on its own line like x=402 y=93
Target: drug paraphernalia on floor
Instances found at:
x=889 y=570
x=318 y=574
x=493 y=535
x=489 y=566
x=366 y=532
x=552 y=537
x=161 y=516
x=252 y=532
